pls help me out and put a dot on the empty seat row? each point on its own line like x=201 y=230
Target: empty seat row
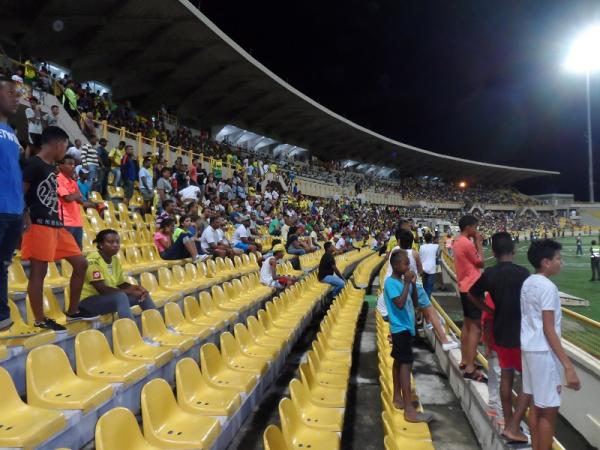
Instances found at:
x=216 y=388
x=363 y=272
x=398 y=433
x=313 y=416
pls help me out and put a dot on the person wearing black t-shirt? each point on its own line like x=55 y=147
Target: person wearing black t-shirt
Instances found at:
x=45 y=239
x=328 y=271
x=503 y=282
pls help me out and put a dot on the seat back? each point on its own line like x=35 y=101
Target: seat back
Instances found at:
x=118 y=428
x=158 y=403
x=173 y=315
x=202 y=270
x=217 y=294
x=246 y=261
x=299 y=394
x=220 y=263
x=211 y=361
x=237 y=262
x=188 y=379
x=46 y=365
x=179 y=276
x=149 y=282
x=388 y=425
x=389 y=443
x=242 y=335
x=165 y=278
x=91 y=350
x=8 y=392
x=191 y=308
x=273 y=439
x=229 y=347
x=306 y=375
x=125 y=336
x=206 y=302
x=191 y=272
x=211 y=268
x=290 y=419
x=153 y=325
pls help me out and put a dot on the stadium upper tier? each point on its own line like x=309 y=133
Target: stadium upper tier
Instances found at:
x=170 y=53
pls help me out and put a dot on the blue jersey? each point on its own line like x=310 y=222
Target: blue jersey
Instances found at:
x=401 y=319
x=11 y=177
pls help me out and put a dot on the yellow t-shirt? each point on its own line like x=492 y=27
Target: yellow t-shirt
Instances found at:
x=99 y=270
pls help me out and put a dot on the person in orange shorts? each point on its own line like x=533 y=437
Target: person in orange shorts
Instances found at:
x=45 y=239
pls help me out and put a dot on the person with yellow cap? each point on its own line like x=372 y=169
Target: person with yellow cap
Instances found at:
x=268 y=270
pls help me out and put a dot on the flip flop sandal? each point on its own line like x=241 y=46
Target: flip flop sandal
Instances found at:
x=476 y=375
x=510 y=441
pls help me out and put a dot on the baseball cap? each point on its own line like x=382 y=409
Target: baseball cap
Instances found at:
x=278 y=248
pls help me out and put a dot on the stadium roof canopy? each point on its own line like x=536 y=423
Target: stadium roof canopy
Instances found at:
x=167 y=52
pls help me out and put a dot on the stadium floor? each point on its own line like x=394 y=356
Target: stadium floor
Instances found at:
x=575 y=276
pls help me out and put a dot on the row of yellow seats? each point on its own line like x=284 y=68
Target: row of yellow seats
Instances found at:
x=285 y=268
x=345 y=260
x=52 y=384
x=314 y=416
x=214 y=388
x=311 y=260
x=362 y=273
x=398 y=433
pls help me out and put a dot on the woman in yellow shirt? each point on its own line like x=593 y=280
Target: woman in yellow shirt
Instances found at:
x=105 y=289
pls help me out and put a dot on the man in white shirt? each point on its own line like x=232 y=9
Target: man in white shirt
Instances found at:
x=211 y=240
x=275 y=195
x=146 y=184
x=542 y=353
x=75 y=151
x=268 y=195
x=241 y=237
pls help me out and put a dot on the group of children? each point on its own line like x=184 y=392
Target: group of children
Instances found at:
x=521 y=317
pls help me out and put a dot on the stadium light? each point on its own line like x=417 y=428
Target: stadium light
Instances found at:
x=462 y=184
x=584 y=57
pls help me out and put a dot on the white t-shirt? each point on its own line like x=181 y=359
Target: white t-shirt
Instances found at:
x=268 y=196
x=190 y=193
x=266 y=274
x=209 y=236
x=239 y=233
x=34 y=121
x=145 y=173
x=388 y=273
x=538 y=294
x=340 y=244
x=275 y=195
x=428 y=253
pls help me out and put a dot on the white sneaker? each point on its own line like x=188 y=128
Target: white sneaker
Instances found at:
x=450 y=345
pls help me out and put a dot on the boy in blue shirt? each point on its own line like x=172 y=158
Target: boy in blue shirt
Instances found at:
x=400 y=295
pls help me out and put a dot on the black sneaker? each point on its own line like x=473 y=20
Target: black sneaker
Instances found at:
x=80 y=316
x=49 y=324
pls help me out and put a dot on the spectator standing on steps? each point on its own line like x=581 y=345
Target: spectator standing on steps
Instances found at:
x=11 y=186
x=579 y=251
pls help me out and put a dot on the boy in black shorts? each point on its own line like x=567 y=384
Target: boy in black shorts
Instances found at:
x=401 y=298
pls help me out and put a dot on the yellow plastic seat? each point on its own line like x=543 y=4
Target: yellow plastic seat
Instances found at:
x=209 y=306
x=118 y=429
x=175 y=319
x=21 y=329
x=154 y=328
x=167 y=283
x=159 y=295
x=320 y=395
x=195 y=395
x=271 y=329
x=261 y=337
x=166 y=425
x=224 y=269
x=52 y=384
x=330 y=367
x=181 y=281
x=23 y=425
x=151 y=256
x=218 y=374
x=213 y=273
x=53 y=310
x=222 y=301
x=236 y=359
x=129 y=345
x=401 y=441
x=198 y=277
x=17 y=279
x=280 y=321
x=196 y=313
x=399 y=424
x=96 y=362
x=299 y=436
x=273 y=439
x=249 y=347
x=330 y=419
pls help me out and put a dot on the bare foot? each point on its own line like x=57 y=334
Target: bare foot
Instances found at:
x=515 y=437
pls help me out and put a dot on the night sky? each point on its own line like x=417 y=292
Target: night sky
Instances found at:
x=474 y=79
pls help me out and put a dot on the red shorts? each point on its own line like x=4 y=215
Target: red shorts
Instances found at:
x=508 y=358
x=48 y=244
